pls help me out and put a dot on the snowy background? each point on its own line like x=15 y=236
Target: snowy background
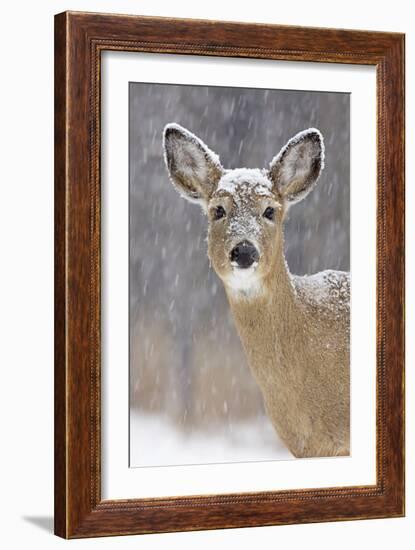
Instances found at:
x=192 y=397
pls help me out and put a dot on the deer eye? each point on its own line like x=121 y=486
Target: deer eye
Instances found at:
x=269 y=213
x=218 y=213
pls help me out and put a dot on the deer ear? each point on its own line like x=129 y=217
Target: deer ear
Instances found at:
x=297 y=167
x=194 y=169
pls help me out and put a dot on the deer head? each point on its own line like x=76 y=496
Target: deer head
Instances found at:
x=245 y=207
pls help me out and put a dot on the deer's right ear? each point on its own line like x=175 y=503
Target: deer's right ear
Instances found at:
x=194 y=169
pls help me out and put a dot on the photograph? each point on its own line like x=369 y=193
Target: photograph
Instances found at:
x=239 y=274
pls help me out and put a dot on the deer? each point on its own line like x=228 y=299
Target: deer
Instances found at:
x=294 y=329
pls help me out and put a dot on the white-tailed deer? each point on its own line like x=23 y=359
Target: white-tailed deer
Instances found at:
x=294 y=330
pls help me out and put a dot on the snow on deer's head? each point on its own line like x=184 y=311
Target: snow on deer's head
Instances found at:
x=245 y=207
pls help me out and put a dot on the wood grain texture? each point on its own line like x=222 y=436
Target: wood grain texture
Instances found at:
x=60 y=509
x=79 y=40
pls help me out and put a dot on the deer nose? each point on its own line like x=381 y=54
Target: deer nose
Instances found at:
x=244 y=254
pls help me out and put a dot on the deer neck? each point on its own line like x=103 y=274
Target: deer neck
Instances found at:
x=265 y=318
x=274 y=335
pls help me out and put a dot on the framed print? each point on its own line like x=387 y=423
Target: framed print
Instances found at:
x=229 y=275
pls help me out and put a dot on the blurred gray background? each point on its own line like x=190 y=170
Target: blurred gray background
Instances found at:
x=192 y=397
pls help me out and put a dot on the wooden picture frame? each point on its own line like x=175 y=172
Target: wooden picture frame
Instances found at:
x=79 y=40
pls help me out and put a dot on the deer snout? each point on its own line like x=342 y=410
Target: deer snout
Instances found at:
x=244 y=254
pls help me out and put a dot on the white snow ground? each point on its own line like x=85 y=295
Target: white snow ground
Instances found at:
x=156 y=441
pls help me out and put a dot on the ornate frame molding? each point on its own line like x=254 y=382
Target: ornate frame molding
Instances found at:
x=79 y=40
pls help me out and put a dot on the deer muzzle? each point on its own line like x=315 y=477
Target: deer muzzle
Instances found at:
x=244 y=255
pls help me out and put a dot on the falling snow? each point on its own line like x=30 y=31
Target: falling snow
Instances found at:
x=192 y=394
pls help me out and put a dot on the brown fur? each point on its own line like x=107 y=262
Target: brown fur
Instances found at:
x=294 y=353
x=294 y=330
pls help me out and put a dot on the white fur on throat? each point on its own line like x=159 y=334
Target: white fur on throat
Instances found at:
x=244 y=283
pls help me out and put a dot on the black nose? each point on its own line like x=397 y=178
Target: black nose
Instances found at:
x=244 y=254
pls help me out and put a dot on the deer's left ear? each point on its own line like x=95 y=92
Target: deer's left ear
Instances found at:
x=295 y=170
